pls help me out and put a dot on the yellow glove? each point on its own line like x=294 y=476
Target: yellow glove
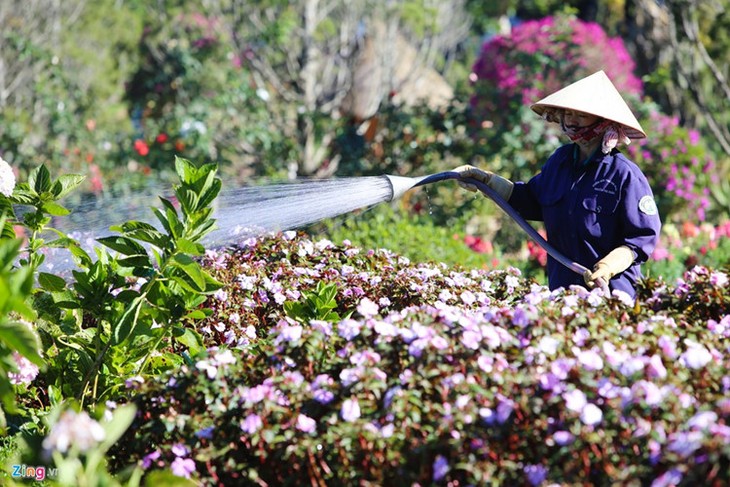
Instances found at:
x=617 y=261
x=502 y=186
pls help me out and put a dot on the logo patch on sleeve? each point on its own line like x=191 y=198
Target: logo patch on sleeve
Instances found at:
x=647 y=205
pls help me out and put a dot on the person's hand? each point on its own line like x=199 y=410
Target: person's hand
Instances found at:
x=471 y=172
x=617 y=261
x=503 y=187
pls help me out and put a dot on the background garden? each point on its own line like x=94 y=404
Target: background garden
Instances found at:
x=412 y=342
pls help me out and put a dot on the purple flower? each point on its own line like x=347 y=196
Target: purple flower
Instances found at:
x=350 y=410
x=669 y=478
x=306 y=424
x=148 y=459
x=536 y=474
x=251 y=424
x=440 y=468
x=504 y=410
x=183 y=467
x=205 y=433
x=563 y=438
x=179 y=450
x=348 y=329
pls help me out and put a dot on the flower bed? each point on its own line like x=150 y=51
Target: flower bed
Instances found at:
x=329 y=364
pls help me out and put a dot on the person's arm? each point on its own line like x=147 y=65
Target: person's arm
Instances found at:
x=519 y=195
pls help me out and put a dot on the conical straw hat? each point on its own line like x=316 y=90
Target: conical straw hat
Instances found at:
x=594 y=94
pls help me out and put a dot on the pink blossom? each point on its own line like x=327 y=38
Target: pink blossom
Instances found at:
x=27 y=370
x=183 y=467
x=350 y=410
x=251 y=424
x=306 y=424
x=655 y=368
x=367 y=308
x=696 y=356
x=589 y=359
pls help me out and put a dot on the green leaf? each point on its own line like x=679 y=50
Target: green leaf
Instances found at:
x=54 y=209
x=18 y=337
x=139 y=261
x=128 y=321
x=65 y=184
x=122 y=418
x=40 y=179
x=123 y=245
x=51 y=282
x=192 y=270
x=165 y=478
x=184 y=169
x=192 y=340
x=188 y=247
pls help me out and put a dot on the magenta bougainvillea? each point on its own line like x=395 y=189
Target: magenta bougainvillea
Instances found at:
x=539 y=57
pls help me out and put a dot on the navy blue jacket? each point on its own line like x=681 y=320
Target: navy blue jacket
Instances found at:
x=589 y=211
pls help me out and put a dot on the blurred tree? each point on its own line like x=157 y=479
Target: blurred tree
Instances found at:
x=683 y=51
x=306 y=53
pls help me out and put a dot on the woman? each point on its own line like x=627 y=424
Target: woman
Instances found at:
x=597 y=205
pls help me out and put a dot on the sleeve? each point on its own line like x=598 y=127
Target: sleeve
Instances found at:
x=641 y=221
x=525 y=201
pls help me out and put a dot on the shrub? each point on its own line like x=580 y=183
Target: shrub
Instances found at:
x=435 y=375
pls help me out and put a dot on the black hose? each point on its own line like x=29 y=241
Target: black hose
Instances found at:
x=529 y=229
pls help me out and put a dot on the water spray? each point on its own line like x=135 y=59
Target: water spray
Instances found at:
x=400 y=185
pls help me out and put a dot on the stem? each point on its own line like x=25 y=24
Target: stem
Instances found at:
x=150 y=351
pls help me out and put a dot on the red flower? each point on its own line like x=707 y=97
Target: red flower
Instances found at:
x=162 y=138
x=141 y=147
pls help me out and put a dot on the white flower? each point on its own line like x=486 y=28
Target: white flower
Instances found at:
x=7 y=178
x=74 y=429
x=591 y=414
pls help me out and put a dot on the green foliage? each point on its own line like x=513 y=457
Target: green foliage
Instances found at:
x=417 y=237
x=17 y=337
x=318 y=304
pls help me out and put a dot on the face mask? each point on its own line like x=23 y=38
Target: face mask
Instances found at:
x=587 y=133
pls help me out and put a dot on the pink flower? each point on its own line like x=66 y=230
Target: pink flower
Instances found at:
x=367 y=308
x=655 y=369
x=306 y=424
x=696 y=356
x=350 y=410
x=27 y=370
x=590 y=360
x=251 y=424
x=183 y=467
